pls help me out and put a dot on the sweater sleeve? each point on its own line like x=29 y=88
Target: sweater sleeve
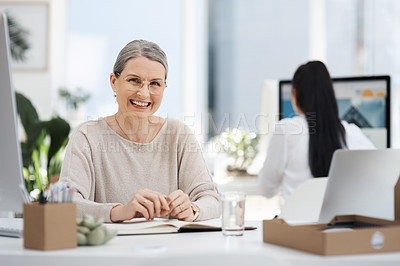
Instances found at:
x=78 y=171
x=194 y=177
x=271 y=175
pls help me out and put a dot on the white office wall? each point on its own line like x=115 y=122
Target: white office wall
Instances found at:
x=253 y=41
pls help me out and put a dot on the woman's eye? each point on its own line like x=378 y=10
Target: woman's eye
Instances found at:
x=155 y=83
x=135 y=80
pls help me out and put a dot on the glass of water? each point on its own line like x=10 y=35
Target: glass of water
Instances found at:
x=232 y=209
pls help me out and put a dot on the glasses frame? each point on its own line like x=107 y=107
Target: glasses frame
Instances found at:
x=142 y=83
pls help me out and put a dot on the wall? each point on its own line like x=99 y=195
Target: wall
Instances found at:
x=253 y=41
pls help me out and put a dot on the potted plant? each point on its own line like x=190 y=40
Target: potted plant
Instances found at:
x=43 y=147
x=241 y=147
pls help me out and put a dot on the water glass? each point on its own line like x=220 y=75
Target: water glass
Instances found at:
x=232 y=209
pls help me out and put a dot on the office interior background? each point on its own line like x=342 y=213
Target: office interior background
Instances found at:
x=221 y=53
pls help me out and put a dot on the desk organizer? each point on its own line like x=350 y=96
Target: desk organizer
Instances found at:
x=50 y=226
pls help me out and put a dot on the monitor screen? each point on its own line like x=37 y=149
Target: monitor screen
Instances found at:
x=364 y=101
x=12 y=188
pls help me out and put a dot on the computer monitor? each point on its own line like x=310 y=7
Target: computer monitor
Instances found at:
x=12 y=186
x=364 y=101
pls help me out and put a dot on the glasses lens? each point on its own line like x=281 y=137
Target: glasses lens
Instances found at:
x=156 y=88
x=136 y=82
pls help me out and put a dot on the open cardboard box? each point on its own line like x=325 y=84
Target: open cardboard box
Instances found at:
x=381 y=236
x=368 y=235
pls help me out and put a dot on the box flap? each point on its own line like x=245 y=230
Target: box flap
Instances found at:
x=361 y=218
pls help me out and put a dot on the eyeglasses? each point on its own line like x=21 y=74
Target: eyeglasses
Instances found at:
x=156 y=86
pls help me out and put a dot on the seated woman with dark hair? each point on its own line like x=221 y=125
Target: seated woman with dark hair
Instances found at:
x=302 y=147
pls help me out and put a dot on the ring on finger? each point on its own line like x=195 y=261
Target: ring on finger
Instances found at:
x=182 y=207
x=145 y=201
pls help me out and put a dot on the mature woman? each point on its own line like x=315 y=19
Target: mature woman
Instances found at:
x=302 y=147
x=133 y=163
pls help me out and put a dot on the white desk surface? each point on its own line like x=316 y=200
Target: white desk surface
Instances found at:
x=211 y=248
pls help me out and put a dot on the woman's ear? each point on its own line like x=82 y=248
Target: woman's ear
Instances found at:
x=113 y=80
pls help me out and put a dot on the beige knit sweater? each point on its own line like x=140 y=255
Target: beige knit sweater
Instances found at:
x=108 y=169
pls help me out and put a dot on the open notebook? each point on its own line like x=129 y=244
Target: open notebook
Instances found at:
x=140 y=226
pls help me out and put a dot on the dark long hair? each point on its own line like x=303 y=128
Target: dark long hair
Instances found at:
x=316 y=99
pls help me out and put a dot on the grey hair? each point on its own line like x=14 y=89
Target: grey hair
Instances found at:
x=139 y=48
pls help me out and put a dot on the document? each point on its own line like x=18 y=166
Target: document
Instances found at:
x=140 y=226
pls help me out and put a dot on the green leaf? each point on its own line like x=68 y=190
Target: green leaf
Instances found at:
x=27 y=113
x=58 y=130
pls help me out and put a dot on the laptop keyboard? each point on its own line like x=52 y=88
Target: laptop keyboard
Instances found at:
x=12 y=227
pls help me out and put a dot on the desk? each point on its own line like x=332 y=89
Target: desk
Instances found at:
x=190 y=249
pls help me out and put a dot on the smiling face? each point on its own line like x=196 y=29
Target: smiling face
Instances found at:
x=134 y=99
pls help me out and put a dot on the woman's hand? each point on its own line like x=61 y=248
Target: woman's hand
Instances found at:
x=180 y=206
x=145 y=203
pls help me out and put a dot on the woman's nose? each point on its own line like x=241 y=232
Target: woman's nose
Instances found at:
x=144 y=90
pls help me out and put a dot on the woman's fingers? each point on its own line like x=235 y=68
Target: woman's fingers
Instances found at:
x=180 y=205
x=160 y=204
x=164 y=210
x=186 y=215
x=154 y=202
x=148 y=204
x=140 y=208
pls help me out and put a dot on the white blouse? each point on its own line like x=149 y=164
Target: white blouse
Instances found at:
x=286 y=165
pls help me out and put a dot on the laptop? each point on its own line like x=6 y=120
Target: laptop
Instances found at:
x=361 y=182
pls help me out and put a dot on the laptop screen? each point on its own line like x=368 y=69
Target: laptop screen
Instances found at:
x=361 y=182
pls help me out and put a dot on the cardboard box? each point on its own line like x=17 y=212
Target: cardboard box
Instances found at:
x=370 y=235
x=50 y=226
x=380 y=236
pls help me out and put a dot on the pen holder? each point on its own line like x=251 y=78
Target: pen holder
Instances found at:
x=50 y=226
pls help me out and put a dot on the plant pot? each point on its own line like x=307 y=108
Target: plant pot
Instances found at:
x=236 y=171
